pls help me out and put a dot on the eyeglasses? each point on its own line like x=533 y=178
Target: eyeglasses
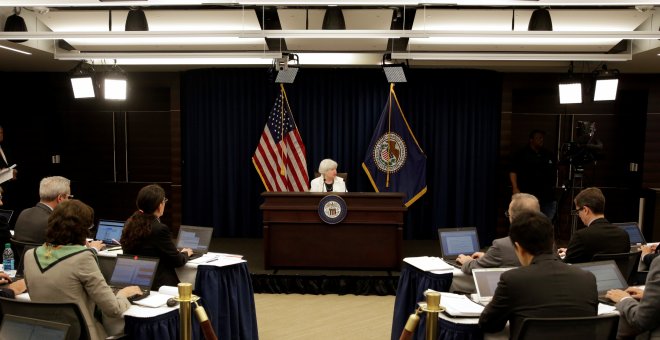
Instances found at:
x=69 y=197
x=506 y=214
x=165 y=200
x=577 y=211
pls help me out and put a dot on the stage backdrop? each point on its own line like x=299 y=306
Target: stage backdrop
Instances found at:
x=455 y=115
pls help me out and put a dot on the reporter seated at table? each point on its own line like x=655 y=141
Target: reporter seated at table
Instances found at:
x=543 y=287
x=501 y=253
x=328 y=181
x=145 y=235
x=649 y=253
x=639 y=308
x=10 y=289
x=64 y=270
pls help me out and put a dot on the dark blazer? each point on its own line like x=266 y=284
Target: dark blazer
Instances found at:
x=159 y=244
x=599 y=237
x=546 y=288
x=32 y=223
x=643 y=316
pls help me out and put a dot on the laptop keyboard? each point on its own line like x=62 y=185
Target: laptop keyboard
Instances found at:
x=453 y=263
x=605 y=300
x=145 y=293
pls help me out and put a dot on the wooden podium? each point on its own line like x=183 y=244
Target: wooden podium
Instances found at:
x=296 y=237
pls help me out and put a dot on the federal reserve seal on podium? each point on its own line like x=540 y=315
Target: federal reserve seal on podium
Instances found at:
x=332 y=209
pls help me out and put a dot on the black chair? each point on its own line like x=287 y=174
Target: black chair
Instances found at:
x=66 y=313
x=627 y=263
x=601 y=327
x=19 y=253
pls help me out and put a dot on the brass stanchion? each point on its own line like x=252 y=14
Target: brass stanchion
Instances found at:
x=185 y=298
x=432 y=310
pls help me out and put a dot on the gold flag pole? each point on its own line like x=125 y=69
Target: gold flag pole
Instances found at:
x=282 y=167
x=389 y=134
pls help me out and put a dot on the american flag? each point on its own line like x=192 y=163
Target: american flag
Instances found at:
x=280 y=155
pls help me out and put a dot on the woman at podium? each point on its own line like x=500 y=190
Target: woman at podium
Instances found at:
x=328 y=181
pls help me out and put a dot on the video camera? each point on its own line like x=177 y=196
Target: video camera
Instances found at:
x=585 y=148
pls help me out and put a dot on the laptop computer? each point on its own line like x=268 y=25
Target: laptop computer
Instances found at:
x=456 y=241
x=109 y=232
x=196 y=238
x=131 y=270
x=634 y=233
x=5 y=215
x=20 y=327
x=607 y=276
x=485 y=280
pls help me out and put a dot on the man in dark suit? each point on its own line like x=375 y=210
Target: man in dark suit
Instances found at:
x=639 y=308
x=501 y=253
x=543 y=286
x=600 y=236
x=32 y=222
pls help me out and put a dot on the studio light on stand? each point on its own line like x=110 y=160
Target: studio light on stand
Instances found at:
x=115 y=84
x=570 y=89
x=607 y=82
x=393 y=72
x=286 y=74
x=82 y=81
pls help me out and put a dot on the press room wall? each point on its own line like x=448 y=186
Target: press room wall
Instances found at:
x=111 y=150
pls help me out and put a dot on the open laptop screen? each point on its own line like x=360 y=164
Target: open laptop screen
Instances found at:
x=635 y=235
x=133 y=271
x=18 y=327
x=607 y=275
x=196 y=238
x=109 y=231
x=454 y=241
x=486 y=279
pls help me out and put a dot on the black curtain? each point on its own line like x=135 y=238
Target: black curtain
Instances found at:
x=455 y=115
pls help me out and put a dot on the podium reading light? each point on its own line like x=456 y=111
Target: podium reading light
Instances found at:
x=607 y=82
x=82 y=81
x=115 y=84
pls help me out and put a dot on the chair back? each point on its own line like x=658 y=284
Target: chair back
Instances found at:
x=19 y=253
x=66 y=313
x=601 y=327
x=627 y=263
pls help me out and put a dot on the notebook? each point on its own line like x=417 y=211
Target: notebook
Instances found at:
x=5 y=215
x=19 y=327
x=132 y=270
x=486 y=279
x=196 y=238
x=607 y=276
x=456 y=241
x=109 y=231
x=634 y=233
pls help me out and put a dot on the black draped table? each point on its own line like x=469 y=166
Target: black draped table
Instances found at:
x=412 y=284
x=227 y=295
x=224 y=285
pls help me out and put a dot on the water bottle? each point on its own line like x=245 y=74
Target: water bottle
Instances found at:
x=8 y=258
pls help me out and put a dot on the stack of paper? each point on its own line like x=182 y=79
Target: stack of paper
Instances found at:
x=429 y=263
x=460 y=305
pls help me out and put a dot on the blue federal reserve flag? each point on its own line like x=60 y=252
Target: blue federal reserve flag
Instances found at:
x=395 y=162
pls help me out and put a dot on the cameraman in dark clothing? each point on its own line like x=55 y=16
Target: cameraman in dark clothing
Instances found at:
x=533 y=171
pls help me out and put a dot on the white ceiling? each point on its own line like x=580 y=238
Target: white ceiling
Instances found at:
x=469 y=28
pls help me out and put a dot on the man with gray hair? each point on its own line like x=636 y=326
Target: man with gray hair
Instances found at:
x=32 y=222
x=501 y=253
